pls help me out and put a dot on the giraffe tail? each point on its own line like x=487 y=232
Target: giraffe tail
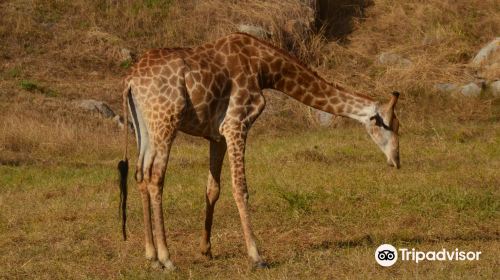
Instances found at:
x=123 y=167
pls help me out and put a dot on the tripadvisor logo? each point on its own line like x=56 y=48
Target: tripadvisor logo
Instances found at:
x=387 y=255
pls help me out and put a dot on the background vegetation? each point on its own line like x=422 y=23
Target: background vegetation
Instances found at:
x=321 y=198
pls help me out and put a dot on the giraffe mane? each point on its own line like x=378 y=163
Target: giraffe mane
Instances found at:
x=335 y=85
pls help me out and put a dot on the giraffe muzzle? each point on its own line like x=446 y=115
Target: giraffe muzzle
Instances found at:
x=394 y=161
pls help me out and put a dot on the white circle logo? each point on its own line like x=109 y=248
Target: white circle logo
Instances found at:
x=386 y=255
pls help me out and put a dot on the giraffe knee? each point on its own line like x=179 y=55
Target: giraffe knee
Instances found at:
x=139 y=172
x=143 y=187
x=245 y=196
x=241 y=195
x=145 y=174
x=138 y=176
x=233 y=129
x=157 y=177
x=213 y=194
x=155 y=193
x=154 y=173
x=155 y=188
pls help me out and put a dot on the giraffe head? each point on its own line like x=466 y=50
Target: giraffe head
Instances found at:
x=383 y=129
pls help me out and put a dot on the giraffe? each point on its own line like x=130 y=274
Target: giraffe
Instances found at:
x=215 y=91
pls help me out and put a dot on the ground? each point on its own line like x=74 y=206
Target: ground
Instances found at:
x=321 y=200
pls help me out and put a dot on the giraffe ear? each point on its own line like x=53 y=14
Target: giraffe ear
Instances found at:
x=379 y=121
x=391 y=106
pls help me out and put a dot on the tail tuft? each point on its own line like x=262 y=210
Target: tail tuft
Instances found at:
x=123 y=169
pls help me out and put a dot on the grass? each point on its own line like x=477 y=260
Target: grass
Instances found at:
x=314 y=218
x=126 y=64
x=34 y=87
x=28 y=85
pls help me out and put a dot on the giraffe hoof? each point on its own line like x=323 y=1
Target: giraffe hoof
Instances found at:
x=205 y=249
x=156 y=265
x=261 y=265
x=151 y=256
x=168 y=266
x=208 y=255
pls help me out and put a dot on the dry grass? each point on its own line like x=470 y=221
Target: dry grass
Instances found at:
x=439 y=37
x=320 y=199
x=329 y=202
x=79 y=56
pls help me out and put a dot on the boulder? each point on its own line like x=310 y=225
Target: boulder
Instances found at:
x=96 y=106
x=296 y=28
x=119 y=122
x=470 y=90
x=446 y=87
x=393 y=59
x=491 y=71
x=495 y=88
x=318 y=117
x=323 y=118
x=254 y=30
x=487 y=52
x=125 y=54
x=431 y=39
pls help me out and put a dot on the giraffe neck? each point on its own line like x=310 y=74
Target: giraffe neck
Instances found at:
x=285 y=74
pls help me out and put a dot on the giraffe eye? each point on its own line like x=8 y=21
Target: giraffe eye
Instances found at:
x=378 y=120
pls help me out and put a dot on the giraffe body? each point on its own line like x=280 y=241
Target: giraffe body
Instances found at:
x=215 y=91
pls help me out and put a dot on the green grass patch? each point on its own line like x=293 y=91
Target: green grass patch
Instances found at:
x=13 y=73
x=33 y=86
x=29 y=85
x=126 y=64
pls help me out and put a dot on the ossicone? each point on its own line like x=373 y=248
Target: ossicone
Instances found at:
x=391 y=106
x=394 y=99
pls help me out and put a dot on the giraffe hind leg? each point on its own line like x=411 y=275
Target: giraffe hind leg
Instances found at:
x=155 y=165
x=142 y=139
x=217 y=152
x=161 y=125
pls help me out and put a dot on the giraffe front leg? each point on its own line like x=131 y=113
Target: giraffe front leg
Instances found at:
x=217 y=152
x=236 y=151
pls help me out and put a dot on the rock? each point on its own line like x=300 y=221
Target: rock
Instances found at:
x=126 y=54
x=254 y=30
x=96 y=106
x=119 y=122
x=323 y=118
x=392 y=59
x=428 y=40
x=486 y=52
x=446 y=87
x=431 y=39
x=470 y=90
x=320 y=118
x=491 y=71
x=296 y=28
x=495 y=88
